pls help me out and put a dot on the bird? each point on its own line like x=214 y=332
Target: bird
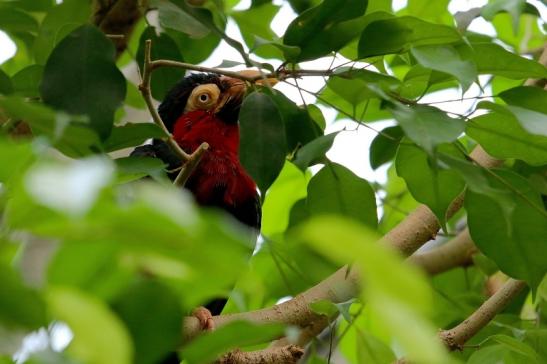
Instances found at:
x=204 y=107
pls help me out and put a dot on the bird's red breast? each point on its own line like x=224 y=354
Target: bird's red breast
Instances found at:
x=219 y=175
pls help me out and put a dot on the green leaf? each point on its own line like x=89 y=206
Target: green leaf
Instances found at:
x=205 y=348
x=263 y=143
x=516 y=346
x=384 y=146
x=153 y=316
x=81 y=77
x=445 y=58
x=427 y=183
x=90 y=319
x=15 y=20
x=394 y=290
x=299 y=126
x=72 y=138
x=516 y=245
x=130 y=135
x=173 y=17
x=14 y=158
x=314 y=152
x=288 y=188
x=428 y=126
x=501 y=135
x=20 y=306
x=163 y=47
x=493 y=59
x=372 y=350
x=27 y=81
x=397 y=35
x=325 y=28
x=133 y=168
x=337 y=190
x=529 y=105
x=59 y=21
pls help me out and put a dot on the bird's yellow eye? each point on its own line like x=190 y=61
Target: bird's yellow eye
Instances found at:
x=203 y=97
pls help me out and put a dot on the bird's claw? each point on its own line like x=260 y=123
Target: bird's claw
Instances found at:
x=205 y=318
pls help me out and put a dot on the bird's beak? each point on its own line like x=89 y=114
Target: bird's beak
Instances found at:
x=237 y=87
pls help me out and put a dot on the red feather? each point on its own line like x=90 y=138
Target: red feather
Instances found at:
x=219 y=169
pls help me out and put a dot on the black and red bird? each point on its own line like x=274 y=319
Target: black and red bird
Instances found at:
x=205 y=108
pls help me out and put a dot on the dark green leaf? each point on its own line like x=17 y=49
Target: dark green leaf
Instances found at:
x=81 y=77
x=493 y=59
x=20 y=306
x=153 y=315
x=516 y=245
x=384 y=146
x=337 y=190
x=445 y=58
x=356 y=86
x=263 y=143
x=195 y=50
x=130 y=135
x=326 y=27
x=206 y=348
x=428 y=126
x=529 y=105
x=163 y=47
x=397 y=35
x=173 y=17
x=501 y=135
x=132 y=168
x=427 y=183
x=314 y=152
x=27 y=81
x=6 y=86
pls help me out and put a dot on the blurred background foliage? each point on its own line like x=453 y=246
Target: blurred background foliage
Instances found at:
x=100 y=266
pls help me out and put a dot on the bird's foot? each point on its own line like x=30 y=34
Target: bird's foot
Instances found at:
x=205 y=318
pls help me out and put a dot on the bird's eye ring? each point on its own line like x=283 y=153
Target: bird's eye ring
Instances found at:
x=203 y=97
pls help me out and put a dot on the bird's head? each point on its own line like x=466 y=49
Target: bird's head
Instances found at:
x=215 y=94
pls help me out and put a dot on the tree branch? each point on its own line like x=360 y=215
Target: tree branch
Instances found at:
x=289 y=354
x=455 y=338
x=455 y=253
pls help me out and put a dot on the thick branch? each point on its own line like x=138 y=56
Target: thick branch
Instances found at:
x=457 y=252
x=455 y=338
x=289 y=354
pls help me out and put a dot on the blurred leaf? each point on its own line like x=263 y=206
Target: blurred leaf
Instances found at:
x=372 y=350
x=20 y=306
x=325 y=28
x=263 y=143
x=516 y=346
x=515 y=245
x=153 y=316
x=133 y=168
x=48 y=356
x=428 y=126
x=513 y=7
x=502 y=136
x=99 y=335
x=397 y=35
x=314 y=152
x=493 y=59
x=81 y=77
x=163 y=47
x=130 y=135
x=394 y=290
x=429 y=184
x=495 y=354
x=173 y=17
x=237 y=334
x=14 y=158
x=72 y=138
x=27 y=81
x=436 y=11
x=337 y=190
x=384 y=146
x=445 y=58
x=289 y=187
x=15 y=20
x=63 y=18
